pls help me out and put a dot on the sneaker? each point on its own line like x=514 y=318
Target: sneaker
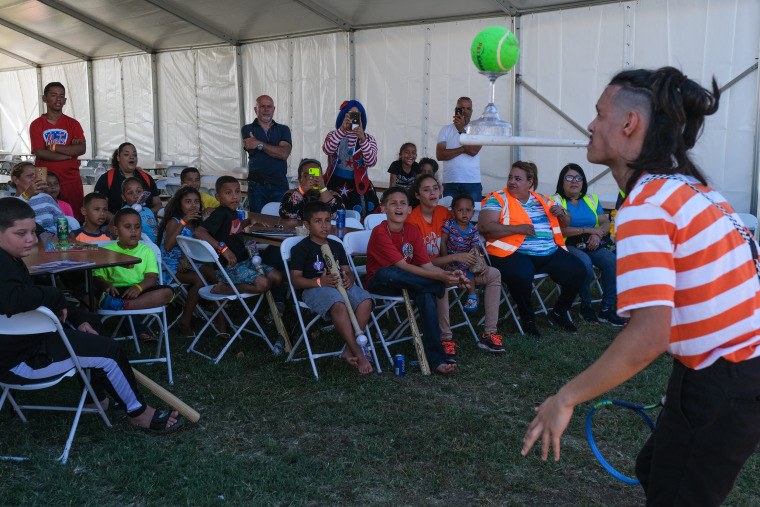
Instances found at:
x=108 y=302
x=449 y=349
x=609 y=315
x=588 y=314
x=529 y=327
x=562 y=319
x=471 y=304
x=491 y=343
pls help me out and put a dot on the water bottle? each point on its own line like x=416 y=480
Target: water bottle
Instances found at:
x=277 y=350
x=363 y=343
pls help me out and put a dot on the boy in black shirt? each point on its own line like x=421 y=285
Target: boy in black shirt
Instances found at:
x=320 y=293
x=32 y=358
x=222 y=231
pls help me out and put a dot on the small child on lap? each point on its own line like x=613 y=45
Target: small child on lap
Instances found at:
x=222 y=230
x=320 y=293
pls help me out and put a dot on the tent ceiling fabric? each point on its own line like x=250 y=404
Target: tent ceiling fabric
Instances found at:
x=165 y=25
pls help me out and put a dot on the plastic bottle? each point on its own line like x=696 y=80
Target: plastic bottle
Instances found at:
x=361 y=340
x=277 y=349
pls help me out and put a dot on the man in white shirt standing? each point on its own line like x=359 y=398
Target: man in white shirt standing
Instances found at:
x=461 y=164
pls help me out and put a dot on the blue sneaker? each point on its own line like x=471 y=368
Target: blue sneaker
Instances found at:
x=471 y=304
x=108 y=302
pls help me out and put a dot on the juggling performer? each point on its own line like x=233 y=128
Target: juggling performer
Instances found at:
x=689 y=278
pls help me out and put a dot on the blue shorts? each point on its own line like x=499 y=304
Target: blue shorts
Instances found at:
x=243 y=272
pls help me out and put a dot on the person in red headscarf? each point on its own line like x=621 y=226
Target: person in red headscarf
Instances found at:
x=351 y=152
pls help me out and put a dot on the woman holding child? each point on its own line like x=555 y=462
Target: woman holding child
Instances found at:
x=431 y=219
x=523 y=237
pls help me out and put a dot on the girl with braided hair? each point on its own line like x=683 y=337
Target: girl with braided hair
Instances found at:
x=688 y=277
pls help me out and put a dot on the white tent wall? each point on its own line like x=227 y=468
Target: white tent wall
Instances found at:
x=563 y=59
x=18 y=108
x=197 y=96
x=74 y=77
x=123 y=105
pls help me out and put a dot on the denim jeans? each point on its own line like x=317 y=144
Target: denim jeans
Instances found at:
x=475 y=190
x=261 y=193
x=389 y=282
x=606 y=261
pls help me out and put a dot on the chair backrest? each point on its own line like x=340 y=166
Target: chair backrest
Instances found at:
x=356 y=242
x=73 y=223
x=197 y=250
x=351 y=223
x=175 y=170
x=351 y=213
x=750 y=221
x=172 y=184
x=445 y=201
x=27 y=323
x=372 y=221
x=271 y=208
x=209 y=179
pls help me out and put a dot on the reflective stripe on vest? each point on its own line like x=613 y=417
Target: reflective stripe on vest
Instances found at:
x=507 y=245
x=591 y=204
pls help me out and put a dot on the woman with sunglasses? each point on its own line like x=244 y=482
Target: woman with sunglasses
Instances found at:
x=587 y=237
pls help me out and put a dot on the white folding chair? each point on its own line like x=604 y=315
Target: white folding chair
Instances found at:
x=157 y=315
x=352 y=213
x=38 y=321
x=173 y=171
x=285 y=249
x=201 y=252
x=445 y=201
x=373 y=220
x=750 y=221
x=73 y=223
x=271 y=208
x=173 y=183
x=351 y=223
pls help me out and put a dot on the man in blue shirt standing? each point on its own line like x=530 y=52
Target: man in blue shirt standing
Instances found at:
x=268 y=144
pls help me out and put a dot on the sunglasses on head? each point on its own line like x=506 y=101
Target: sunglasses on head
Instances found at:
x=569 y=177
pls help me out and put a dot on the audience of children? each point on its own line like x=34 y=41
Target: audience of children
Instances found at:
x=222 y=230
x=35 y=357
x=405 y=169
x=132 y=191
x=30 y=187
x=54 y=191
x=308 y=272
x=95 y=211
x=397 y=259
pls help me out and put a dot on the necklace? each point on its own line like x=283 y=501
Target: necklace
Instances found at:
x=391 y=235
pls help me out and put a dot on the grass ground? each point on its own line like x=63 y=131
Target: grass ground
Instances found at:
x=270 y=434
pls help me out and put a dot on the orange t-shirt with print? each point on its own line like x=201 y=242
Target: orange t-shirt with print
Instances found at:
x=431 y=231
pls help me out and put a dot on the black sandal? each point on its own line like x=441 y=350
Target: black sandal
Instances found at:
x=160 y=418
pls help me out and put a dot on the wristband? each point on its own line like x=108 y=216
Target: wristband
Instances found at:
x=23 y=194
x=52 y=147
x=223 y=250
x=182 y=222
x=319 y=282
x=138 y=286
x=301 y=190
x=323 y=190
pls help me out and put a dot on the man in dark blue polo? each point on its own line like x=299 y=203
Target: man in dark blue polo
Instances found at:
x=268 y=144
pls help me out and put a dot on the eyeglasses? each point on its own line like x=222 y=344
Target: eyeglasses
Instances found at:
x=569 y=177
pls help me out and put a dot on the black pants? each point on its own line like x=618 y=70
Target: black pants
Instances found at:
x=517 y=272
x=708 y=428
x=111 y=369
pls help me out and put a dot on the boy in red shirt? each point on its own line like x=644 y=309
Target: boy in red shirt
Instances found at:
x=397 y=259
x=57 y=140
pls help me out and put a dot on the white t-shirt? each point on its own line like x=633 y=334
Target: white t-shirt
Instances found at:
x=462 y=168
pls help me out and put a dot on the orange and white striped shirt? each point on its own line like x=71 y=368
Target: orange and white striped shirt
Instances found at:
x=675 y=248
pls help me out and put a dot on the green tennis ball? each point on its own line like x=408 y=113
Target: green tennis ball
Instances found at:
x=495 y=49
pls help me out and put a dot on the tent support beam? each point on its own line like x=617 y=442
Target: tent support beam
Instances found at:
x=514 y=111
x=55 y=4
x=92 y=144
x=40 y=89
x=326 y=14
x=351 y=67
x=19 y=58
x=756 y=158
x=241 y=99
x=507 y=7
x=154 y=94
x=183 y=14
x=44 y=40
